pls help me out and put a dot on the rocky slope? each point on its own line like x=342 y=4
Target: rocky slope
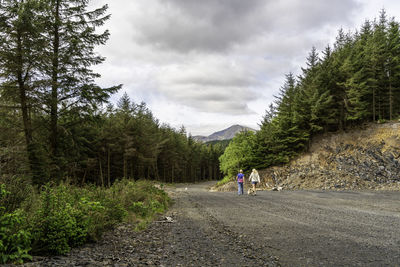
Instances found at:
x=225 y=134
x=360 y=159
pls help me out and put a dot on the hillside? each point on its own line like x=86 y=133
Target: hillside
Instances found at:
x=360 y=159
x=225 y=134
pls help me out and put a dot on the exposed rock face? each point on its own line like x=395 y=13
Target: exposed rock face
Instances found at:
x=226 y=134
x=363 y=159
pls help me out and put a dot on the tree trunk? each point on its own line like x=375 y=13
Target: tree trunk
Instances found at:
x=109 y=167
x=172 y=174
x=390 y=101
x=164 y=177
x=38 y=176
x=101 y=173
x=373 y=105
x=23 y=96
x=84 y=177
x=54 y=85
x=125 y=171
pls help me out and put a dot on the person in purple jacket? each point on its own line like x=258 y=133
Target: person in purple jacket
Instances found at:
x=240 y=180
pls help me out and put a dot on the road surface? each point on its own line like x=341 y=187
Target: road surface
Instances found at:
x=299 y=228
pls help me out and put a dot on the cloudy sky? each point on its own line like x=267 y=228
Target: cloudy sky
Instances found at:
x=209 y=64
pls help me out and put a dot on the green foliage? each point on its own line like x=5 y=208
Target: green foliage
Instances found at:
x=61 y=221
x=147 y=209
x=238 y=154
x=15 y=240
x=225 y=180
x=19 y=191
x=70 y=216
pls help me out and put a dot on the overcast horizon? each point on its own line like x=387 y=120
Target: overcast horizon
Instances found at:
x=209 y=65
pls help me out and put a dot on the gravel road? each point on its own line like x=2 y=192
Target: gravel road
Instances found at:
x=288 y=228
x=310 y=228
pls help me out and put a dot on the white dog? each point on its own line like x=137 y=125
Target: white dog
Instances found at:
x=250 y=191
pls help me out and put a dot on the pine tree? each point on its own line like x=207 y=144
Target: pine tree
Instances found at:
x=322 y=110
x=71 y=38
x=379 y=58
x=362 y=84
x=20 y=47
x=340 y=55
x=393 y=69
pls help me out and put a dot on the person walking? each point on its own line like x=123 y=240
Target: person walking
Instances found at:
x=240 y=180
x=254 y=179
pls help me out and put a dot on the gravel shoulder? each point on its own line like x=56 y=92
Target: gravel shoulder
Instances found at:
x=288 y=228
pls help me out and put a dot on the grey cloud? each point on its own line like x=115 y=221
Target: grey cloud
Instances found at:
x=295 y=15
x=233 y=107
x=217 y=99
x=204 y=26
x=210 y=84
x=217 y=26
x=215 y=55
x=219 y=77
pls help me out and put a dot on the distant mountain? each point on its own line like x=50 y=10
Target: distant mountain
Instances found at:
x=226 y=134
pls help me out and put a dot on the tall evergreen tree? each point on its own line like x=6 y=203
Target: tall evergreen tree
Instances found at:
x=362 y=83
x=393 y=69
x=343 y=46
x=379 y=57
x=71 y=34
x=20 y=47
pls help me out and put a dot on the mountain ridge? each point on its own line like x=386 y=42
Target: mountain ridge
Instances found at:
x=225 y=134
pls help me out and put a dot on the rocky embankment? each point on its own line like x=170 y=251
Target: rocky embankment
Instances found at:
x=360 y=159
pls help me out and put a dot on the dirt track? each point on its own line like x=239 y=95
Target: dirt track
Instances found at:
x=301 y=228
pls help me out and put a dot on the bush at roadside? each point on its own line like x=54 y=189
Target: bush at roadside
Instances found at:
x=225 y=180
x=66 y=216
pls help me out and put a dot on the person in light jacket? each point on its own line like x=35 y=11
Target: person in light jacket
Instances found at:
x=254 y=179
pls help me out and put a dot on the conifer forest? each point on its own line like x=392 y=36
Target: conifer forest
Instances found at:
x=57 y=124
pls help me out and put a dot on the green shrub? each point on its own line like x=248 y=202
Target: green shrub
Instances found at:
x=225 y=180
x=139 y=209
x=20 y=190
x=90 y=221
x=156 y=206
x=15 y=240
x=114 y=212
x=65 y=216
x=60 y=223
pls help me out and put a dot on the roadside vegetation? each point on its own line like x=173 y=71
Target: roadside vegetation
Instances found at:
x=60 y=217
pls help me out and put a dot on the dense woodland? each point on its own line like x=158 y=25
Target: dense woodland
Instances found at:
x=354 y=82
x=56 y=124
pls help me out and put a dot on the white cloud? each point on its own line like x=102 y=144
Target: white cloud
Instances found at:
x=209 y=64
